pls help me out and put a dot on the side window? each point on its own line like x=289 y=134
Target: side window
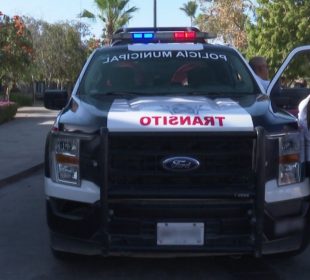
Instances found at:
x=241 y=76
x=293 y=85
x=94 y=80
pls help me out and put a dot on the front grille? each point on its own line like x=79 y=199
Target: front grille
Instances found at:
x=226 y=165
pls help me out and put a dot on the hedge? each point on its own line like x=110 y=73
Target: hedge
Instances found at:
x=21 y=99
x=7 y=111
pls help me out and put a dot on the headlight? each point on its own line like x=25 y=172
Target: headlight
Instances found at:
x=289 y=159
x=65 y=159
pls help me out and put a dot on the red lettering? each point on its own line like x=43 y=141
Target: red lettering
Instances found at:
x=197 y=120
x=156 y=118
x=145 y=121
x=209 y=121
x=220 y=120
x=182 y=120
x=173 y=120
x=185 y=120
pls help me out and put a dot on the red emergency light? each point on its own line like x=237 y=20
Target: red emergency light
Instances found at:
x=184 y=35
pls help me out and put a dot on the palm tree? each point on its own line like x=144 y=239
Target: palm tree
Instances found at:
x=190 y=9
x=114 y=14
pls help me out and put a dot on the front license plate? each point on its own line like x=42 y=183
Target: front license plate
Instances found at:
x=180 y=233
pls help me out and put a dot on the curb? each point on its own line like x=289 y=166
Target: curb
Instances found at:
x=21 y=175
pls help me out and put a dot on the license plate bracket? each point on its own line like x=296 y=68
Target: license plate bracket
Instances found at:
x=186 y=234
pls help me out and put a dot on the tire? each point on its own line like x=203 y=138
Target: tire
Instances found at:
x=66 y=256
x=61 y=255
x=287 y=255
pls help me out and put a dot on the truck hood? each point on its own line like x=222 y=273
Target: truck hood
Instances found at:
x=177 y=114
x=190 y=113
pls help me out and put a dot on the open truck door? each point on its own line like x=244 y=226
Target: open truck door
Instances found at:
x=291 y=83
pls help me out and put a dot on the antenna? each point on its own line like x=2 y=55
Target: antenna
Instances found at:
x=155 y=14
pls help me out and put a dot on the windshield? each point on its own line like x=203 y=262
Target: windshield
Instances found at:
x=213 y=71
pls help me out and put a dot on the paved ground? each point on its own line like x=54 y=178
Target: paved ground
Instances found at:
x=25 y=252
x=22 y=141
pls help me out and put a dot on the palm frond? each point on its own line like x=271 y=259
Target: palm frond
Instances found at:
x=87 y=14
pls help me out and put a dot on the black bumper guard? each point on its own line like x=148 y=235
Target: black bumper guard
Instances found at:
x=256 y=220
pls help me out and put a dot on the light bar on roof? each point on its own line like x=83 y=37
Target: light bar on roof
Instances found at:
x=150 y=36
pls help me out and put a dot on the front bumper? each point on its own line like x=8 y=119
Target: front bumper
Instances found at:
x=131 y=227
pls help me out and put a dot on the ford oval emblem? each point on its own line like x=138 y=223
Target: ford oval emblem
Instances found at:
x=180 y=164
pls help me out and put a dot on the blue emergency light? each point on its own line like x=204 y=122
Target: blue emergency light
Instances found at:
x=148 y=35
x=141 y=36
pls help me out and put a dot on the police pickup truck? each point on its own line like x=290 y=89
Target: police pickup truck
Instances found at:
x=169 y=146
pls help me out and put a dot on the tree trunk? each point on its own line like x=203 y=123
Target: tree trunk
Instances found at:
x=7 y=94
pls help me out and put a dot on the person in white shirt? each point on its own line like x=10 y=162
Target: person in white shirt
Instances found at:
x=304 y=120
x=260 y=67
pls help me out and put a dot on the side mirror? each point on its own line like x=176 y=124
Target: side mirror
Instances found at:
x=55 y=99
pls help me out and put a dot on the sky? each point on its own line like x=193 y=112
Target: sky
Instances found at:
x=168 y=12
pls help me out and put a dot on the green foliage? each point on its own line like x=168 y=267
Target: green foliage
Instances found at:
x=21 y=99
x=298 y=68
x=226 y=18
x=92 y=44
x=113 y=13
x=190 y=9
x=59 y=51
x=87 y=14
x=7 y=112
x=281 y=25
x=15 y=50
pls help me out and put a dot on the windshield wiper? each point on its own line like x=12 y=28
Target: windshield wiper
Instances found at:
x=124 y=94
x=214 y=94
x=206 y=93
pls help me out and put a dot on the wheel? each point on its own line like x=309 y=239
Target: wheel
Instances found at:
x=287 y=255
x=67 y=256
x=64 y=256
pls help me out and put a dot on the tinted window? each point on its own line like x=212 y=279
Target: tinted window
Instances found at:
x=167 y=72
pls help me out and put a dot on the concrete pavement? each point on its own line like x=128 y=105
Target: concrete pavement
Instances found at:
x=22 y=142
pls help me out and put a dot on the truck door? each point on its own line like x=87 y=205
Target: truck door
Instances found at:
x=291 y=83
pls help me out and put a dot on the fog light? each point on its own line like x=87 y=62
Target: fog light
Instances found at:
x=289 y=226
